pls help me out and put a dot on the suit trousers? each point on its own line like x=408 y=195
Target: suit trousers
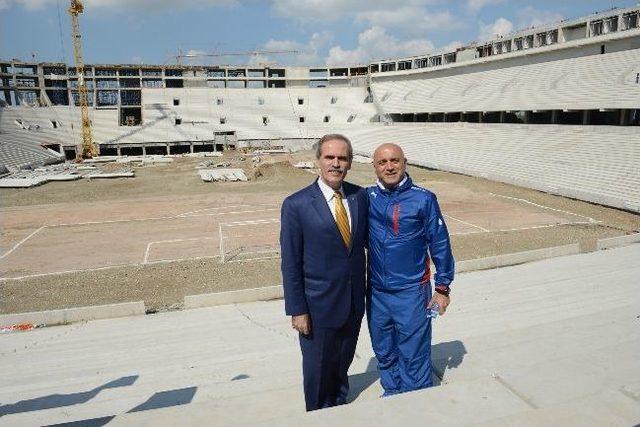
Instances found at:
x=327 y=354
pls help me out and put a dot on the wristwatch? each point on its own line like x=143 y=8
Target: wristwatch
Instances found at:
x=443 y=290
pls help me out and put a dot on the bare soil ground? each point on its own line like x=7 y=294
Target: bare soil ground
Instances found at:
x=156 y=237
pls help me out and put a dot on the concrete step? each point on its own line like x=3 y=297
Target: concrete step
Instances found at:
x=517 y=340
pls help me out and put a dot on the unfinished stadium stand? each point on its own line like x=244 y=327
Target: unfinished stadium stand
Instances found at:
x=172 y=115
x=584 y=83
x=23 y=143
x=555 y=108
x=594 y=164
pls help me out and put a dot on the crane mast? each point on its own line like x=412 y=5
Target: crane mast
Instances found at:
x=88 y=148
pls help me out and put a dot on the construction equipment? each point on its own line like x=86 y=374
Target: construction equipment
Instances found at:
x=88 y=148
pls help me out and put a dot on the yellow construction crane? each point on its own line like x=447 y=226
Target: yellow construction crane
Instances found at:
x=88 y=149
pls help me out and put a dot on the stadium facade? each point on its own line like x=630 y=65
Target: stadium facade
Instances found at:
x=555 y=108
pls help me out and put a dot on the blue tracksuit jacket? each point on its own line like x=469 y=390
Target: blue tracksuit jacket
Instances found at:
x=405 y=227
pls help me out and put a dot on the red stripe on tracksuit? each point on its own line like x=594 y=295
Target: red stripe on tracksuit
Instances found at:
x=426 y=277
x=396 y=219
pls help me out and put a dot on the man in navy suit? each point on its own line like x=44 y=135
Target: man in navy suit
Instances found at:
x=323 y=236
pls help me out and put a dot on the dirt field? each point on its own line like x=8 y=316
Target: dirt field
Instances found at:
x=156 y=237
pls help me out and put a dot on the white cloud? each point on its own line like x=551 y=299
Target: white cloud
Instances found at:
x=376 y=43
x=501 y=27
x=531 y=17
x=318 y=10
x=334 y=10
x=307 y=53
x=4 y=4
x=450 y=47
x=411 y=19
x=125 y=5
x=475 y=5
x=34 y=4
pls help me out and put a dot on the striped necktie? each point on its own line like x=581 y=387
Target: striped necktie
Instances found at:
x=342 y=220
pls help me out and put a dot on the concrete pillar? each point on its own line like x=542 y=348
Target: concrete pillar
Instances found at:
x=623 y=117
x=554 y=117
x=7 y=96
x=144 y=150
x=191 y=148
x=415 y=117
x=119 y=150
x=502 y=116
x=168 y=150
x=585 y=117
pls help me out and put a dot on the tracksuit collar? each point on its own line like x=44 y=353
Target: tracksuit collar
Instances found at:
x=405 y=183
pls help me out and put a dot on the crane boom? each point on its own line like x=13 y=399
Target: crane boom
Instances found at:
x=88 y=149
x=181 y=55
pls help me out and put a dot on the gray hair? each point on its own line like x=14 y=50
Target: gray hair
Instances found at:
x=331 y=137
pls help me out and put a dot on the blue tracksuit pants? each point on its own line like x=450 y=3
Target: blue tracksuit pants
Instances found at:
x=401 y=337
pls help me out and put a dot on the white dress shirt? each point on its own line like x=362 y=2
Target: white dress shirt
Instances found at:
x=329 y=196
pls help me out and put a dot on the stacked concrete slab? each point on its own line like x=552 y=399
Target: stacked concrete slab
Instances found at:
x=553 y=342
x=222 y=175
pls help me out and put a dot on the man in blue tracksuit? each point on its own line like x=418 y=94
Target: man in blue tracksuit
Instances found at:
x=406 y=230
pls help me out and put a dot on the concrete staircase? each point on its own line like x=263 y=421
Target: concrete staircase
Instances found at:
x=554 y=341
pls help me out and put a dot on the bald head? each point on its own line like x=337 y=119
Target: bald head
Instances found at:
x=388 y=147
x=390 y=164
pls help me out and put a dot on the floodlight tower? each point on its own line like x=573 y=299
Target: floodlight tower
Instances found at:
x=88 y=149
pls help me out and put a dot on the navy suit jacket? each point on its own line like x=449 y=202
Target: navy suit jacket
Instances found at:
x=320 y=275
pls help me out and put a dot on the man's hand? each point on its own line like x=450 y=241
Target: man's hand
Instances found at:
x=442 y=301
x=301 y=323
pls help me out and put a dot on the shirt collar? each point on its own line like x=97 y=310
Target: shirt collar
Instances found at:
x=400 y=184
x=327 y=191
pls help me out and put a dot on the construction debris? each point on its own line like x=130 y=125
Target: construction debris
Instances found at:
x=222 y=175
x=102 y=159
x=205 y=164
x=304 y=165
x=150 y=160
x=21 y=327
x=272 y=151
x=60 y=172
x=207 y=154
x=103 y=175
x=362 y=159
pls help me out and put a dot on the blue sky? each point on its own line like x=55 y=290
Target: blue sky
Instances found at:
x=333 y=32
